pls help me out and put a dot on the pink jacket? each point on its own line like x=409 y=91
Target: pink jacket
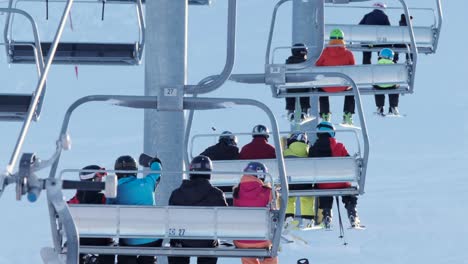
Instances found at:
x=251 y=192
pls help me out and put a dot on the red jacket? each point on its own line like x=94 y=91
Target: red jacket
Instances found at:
x=323 y=147
x=251 y=192
x=258 y=149
x=335 y=56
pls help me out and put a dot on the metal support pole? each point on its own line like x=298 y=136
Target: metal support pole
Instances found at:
x=165 y=76
x=308 y=27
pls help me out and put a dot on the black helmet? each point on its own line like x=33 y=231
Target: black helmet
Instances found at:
x=260 y=130
x=256 y=167
x=299 y=50
x=228 y=138
x=125 y=163
x=92 y=176
x=201 y=163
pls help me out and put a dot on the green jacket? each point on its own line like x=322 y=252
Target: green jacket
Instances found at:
x=297 y=149
x=385 y=61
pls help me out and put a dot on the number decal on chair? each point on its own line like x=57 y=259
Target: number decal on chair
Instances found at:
x=176 y=231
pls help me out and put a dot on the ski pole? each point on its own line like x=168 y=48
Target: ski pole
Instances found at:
x=342 y=236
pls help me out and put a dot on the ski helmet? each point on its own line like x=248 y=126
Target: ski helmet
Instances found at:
x=228 y=138
x=386 y=53
x=260 y=130
x=297 y=136
x=299 y=50
x=326 y=126
x=95 y=175
x=336 y=34
x=201 y=163
x=126 y=163
x=380 y=5
x=256 y=167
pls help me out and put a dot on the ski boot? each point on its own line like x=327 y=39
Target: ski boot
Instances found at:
x=326 y=117
x=327 y=218
x=380 y=111
x=393 y=111
x=352 y=215
x=307 y=223
x=348 y=119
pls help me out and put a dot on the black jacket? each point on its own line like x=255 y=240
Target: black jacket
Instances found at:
x=197 y=192
x=295 y=59
x=376 y=17
x=222 y=151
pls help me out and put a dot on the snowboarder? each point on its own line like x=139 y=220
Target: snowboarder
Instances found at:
x=386 y=56
x=335 y=55
x=297 y=147
x=299 y=54
x=197 y=191
x=376 y=17
x=327 y=146
x=225 y=149
x=134 y=191
x=258 y=148
x=253 y=192
x=93 y=197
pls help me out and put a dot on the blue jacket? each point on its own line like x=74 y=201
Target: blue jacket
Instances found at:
x=134 y=191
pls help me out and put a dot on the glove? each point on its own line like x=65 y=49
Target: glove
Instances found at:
x=146 y=160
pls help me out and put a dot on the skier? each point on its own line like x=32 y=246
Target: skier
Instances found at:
x=335 y=55
x=297 y=147
x=258 y=148
x=92 y=197
x=376 y=17
x=299 y=54
x=253 y=192
x=134 y=191
x=197 y=191
x=327 y=146
x=225 y=149
x=386 y=56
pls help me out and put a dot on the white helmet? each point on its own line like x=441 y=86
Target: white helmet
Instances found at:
x=379 y=5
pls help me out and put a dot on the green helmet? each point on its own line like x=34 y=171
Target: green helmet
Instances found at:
x=336 y=34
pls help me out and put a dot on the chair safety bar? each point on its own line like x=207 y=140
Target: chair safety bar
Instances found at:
x=172 y=222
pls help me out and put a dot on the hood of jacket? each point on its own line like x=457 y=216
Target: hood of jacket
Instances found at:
x=335 y=51
x=252 y=192
x=297 y=149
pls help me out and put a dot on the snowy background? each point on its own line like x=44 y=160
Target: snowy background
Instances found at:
x=415 y=201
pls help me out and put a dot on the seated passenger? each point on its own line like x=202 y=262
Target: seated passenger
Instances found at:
x=386 y=56
x=92 y=197
x=327 y=146
x=253 y=192
x=297 y=147
x=225 y=149
x=197 y=191
x=258 y=148
x=134 y=191
x=336 y=54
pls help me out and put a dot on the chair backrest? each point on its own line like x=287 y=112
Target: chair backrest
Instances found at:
x=172 y=222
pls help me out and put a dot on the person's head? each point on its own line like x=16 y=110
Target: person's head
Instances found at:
x=325 y=126
x=125 y=163
x=337 y=37
x=379 y=5
x=299 y=50
x=297 y=137
x=260 y=131
x=386 y=53
x=92 y=173
x=402 y=21
x=256 y=167
x=200 y=163
x=228 y=138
